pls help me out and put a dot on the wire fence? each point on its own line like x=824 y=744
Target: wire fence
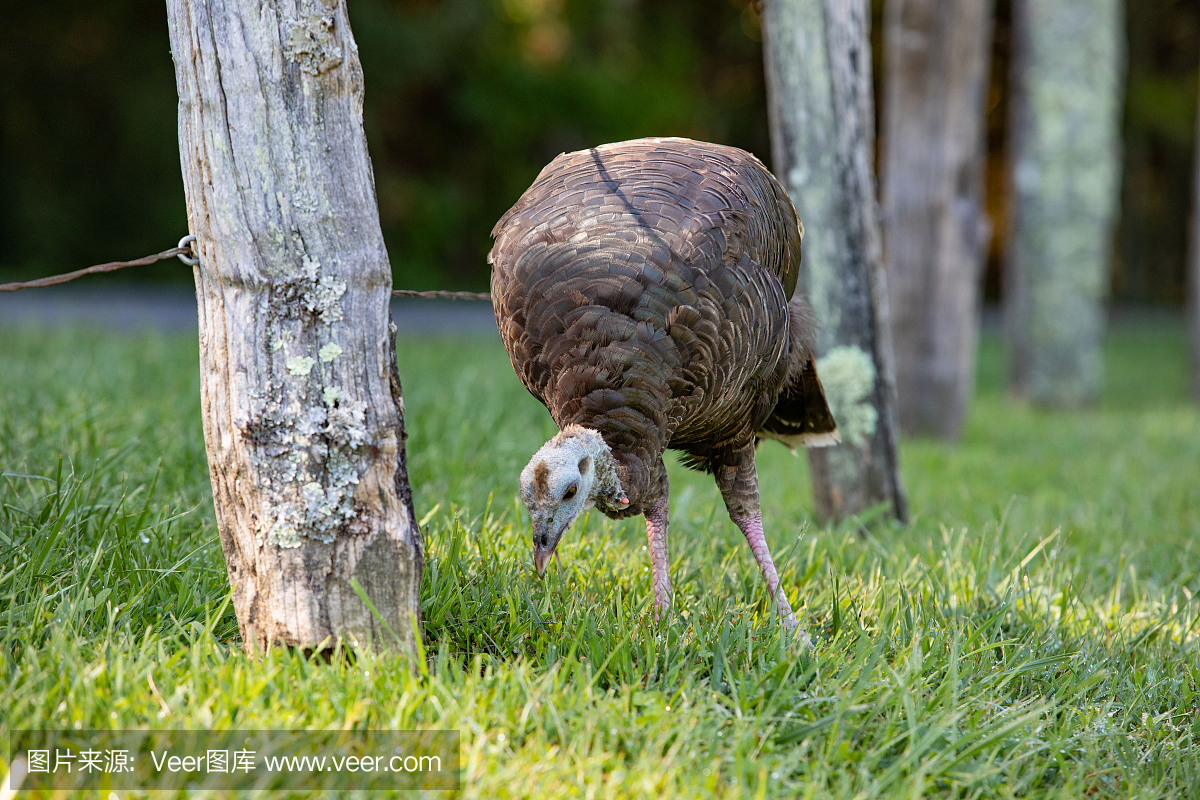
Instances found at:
x=184 y=252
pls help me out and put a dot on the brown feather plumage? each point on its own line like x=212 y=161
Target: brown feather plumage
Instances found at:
x=644 y=290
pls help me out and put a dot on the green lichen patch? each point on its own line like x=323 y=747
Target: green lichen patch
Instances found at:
x=848 y=376
x=300 y=365
x=307 y=462
x=313 y=44
x=329 y=352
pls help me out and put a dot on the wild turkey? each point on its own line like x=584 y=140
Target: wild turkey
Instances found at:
x=641 y=289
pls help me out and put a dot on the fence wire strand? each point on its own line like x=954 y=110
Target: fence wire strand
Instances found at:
x=111 y=266
x=185 y=250
x=434 y=295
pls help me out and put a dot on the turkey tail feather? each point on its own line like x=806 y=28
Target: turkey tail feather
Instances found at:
x=802 y=417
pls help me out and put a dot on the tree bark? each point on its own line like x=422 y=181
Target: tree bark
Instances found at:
x=818 y=65
x=935 y=229
x=303 y=415
x=1066 y=156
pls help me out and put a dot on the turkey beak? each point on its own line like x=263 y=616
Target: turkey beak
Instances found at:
x=541 y=559
x=544 y=543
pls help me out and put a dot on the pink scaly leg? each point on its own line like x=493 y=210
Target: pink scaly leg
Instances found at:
x=737 y=479
x=656 y=536
x=751 y=526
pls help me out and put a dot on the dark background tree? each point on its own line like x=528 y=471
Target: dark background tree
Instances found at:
x=1193 y=304
x=1163 y=50
x=1064 y=168
x=822 y=137
x=467 y=99
x=936 y=232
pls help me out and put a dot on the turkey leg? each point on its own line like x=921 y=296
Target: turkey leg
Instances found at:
x=738 y=483
x=660 y=567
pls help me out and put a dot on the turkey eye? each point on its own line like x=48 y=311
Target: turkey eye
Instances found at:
x=569 y=493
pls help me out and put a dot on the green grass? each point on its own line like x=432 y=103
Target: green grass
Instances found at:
x=1032 y=633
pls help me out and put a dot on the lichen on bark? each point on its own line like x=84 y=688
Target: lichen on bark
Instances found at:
x=818 y=57
x=303 y=423
x=1065 y=173
x=305 y=437
x=848 y=377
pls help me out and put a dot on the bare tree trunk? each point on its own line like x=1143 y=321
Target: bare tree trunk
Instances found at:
x=1194 y=271
x=1068 y=64
x=818 y=64
x=935 y=229
x=303 y=416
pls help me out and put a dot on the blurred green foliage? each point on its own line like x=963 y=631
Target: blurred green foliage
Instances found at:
x=89 y=160
x=1160 y=129
x=467 y=100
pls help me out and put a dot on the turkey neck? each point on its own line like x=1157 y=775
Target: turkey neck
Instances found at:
x=636 y=460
